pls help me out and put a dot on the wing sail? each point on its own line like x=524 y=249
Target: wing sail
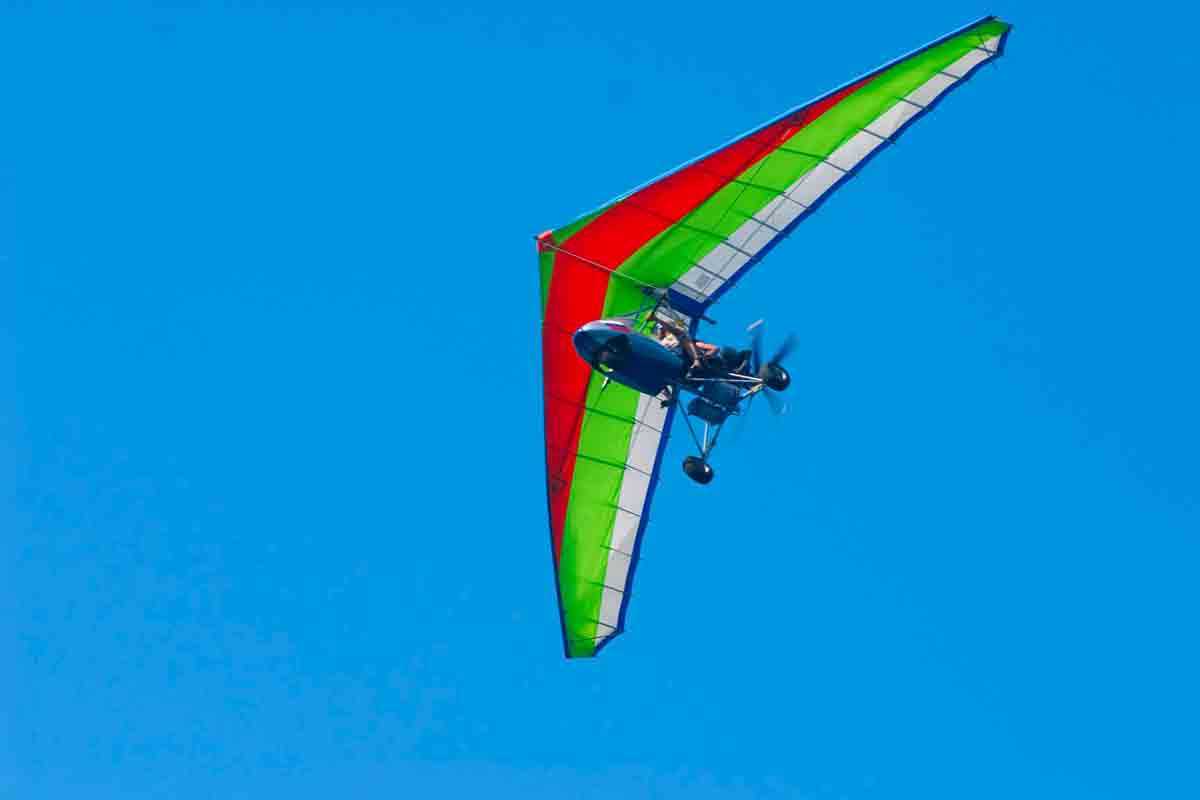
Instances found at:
x=694 y=231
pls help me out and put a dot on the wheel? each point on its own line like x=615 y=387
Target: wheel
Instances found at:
x=777 y=378
x=699 y=471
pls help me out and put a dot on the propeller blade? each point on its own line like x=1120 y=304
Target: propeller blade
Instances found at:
x=740 y=430
x=778 y=406
x=789 y=344
x=755 y=331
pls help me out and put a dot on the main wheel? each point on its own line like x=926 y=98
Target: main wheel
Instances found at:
x=698 y=470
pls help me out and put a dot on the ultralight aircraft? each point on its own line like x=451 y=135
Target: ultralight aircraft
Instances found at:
x=626 y=287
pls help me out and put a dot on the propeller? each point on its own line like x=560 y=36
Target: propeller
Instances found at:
x=771 y=370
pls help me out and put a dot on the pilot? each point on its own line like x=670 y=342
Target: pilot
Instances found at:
x=673 y=337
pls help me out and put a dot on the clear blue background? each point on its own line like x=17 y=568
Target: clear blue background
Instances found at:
x=272 y=512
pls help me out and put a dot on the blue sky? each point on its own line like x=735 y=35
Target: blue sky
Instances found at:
x=272 y=508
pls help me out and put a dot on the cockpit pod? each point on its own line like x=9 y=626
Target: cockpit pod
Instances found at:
x=614 y=348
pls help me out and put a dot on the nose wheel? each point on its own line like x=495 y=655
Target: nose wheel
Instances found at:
x=699 y=471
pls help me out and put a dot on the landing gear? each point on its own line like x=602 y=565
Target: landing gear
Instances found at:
x=699 y=471
x=713 y=415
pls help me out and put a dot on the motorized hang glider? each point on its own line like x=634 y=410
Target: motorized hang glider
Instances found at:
x=693 y=233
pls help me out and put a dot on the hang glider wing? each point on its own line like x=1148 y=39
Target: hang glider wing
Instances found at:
x=694 y=231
